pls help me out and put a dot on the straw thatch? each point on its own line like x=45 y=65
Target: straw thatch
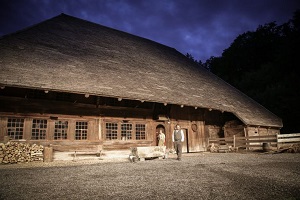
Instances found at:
x=68 y=54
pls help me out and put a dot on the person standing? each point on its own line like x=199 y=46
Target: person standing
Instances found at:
x=178 y=138
x=161 y=138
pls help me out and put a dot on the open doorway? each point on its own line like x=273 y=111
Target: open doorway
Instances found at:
x=185 y=145
x=159 y=128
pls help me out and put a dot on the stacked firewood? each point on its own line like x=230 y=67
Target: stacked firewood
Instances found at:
x=292 y=148
x=214 y=148
x=14 y=152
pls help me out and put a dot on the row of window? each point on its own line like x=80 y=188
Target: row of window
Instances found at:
x=113 y=131
x=15 y=129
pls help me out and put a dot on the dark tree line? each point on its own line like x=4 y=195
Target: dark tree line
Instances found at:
x=264 y=64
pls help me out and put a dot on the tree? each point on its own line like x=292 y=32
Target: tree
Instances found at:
x=199 y=63
x=264 y=64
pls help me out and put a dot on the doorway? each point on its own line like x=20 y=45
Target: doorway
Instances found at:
x=185 y=145
x=159 y=128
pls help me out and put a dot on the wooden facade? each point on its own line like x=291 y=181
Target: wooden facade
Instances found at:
x=76 y=85
x=70 y=122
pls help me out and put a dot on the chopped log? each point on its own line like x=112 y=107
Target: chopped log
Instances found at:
x=48 y=154
x=14 y=152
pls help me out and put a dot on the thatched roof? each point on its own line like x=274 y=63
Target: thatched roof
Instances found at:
x=68 y=54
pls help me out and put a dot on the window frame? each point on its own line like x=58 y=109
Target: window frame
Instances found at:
x=123 y=131
x=61 y=133
x=144 y=131
x=17 y=129
x=81 y=130
x=39 y=129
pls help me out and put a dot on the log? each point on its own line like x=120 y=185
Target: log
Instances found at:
x=48 y=154
x=14 y=152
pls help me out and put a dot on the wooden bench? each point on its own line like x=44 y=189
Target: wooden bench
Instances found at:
x=78 y=153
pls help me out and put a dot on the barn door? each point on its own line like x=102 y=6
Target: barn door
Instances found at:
x=185 y=145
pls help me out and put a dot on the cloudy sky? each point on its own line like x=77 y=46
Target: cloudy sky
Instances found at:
x=203 y=28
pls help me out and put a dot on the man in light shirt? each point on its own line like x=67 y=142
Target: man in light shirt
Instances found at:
x=161 y=138
x=178 y=138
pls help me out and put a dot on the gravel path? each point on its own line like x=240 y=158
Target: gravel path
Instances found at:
x=197 y=176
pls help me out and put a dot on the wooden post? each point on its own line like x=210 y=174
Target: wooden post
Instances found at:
x=234 y=141
x=48 y=154
x=277 y=141
x=6 y=139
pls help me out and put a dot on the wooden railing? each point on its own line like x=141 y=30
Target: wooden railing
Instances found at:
x=222 y=141
x=256 y=141
x=283 y=139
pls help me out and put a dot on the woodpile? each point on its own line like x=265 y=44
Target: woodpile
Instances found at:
x=141 y=153
x=217 y=148
x=14 y=152
x=292 y=148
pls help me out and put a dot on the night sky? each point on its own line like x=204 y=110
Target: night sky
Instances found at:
x=203 y=28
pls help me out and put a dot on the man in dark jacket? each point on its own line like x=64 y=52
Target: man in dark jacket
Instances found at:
x=178 y=138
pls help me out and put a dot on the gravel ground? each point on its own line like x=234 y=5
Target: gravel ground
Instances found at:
x=197 y=176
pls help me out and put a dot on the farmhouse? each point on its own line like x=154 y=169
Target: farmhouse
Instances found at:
x=76 y=85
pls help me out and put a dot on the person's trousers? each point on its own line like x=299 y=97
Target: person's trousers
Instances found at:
x=178 y=148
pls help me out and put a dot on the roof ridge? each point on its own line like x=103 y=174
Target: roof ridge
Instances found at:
x=30 y=26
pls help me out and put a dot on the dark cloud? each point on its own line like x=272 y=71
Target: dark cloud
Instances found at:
x=202 y=28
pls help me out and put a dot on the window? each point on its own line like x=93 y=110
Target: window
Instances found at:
x=140 y=131
x=111 y=131
x=15 y=128
x=61 y=130
x=81 y=131
x=126 y=130
x=39 y=129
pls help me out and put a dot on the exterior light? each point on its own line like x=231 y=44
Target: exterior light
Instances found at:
x=46 y=91
x=86 y=95
x=119 y=99
x=182 y=106
x=196 y=108
x=165 y=104
x=210 y=109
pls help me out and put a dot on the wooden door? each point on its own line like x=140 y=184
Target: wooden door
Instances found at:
x=185 y=145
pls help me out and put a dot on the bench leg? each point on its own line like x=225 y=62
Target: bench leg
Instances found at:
x=74 y=158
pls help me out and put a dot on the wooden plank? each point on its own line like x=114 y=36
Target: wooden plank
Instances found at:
x=260 y=136
x=256 y=145
x=216 y=139
x=264 y=141
x=220 y=140
x=289 y=140
x=288 y=135
x=96 y=153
